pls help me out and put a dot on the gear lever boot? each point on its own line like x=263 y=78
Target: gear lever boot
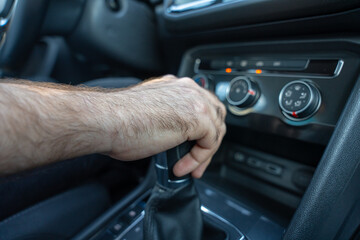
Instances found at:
x=173 y=210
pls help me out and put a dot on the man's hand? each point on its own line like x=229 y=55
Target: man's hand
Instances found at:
x=43 y=123
x=162 y=113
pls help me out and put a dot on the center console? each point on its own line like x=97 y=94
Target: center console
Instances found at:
x=224 y=218
x=284 y=100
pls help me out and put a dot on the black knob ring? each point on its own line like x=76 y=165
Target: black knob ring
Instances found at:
x=309 y=109
x=251 y=96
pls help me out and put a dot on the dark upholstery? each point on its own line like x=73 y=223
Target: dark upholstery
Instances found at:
x=59 y=217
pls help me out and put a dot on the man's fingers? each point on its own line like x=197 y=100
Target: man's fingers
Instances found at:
x=192 y=160
x=208 y=135
x=198 y=172
x=198 y=159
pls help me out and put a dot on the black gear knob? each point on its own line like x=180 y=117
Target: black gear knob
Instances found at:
x=165 y=162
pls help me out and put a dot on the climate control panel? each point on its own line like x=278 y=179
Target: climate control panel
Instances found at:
x=295 y=90
x=298 y=100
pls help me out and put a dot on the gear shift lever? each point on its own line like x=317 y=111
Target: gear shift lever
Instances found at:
x=165 y=162
x=173 y=210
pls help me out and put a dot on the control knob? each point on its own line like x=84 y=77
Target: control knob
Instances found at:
x=299 y=100
x=201 y=80
x=242 y=92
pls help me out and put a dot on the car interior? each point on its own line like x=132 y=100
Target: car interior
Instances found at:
x=287 y=72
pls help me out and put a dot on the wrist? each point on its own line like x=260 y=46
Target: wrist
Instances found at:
x=110 y=118
x=102 y=116
x=90 y=118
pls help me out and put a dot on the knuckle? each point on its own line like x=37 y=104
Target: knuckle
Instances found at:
x=169 y=76
x=201 y=107
x=187 y=81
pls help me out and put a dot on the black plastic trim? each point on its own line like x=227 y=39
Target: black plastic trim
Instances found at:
x=334 y=189
x=95 y=226
x=249 y=12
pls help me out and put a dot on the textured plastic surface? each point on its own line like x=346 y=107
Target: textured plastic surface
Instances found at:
x=127 y=36
x=22 y=32
x=246 y=12
x=62 y=16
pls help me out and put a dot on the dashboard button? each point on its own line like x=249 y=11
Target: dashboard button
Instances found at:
x=273 y=169
x=229 y=63
x=239 y=157
x=301 y=178
x=276 y=63
x=201 y=80
x=254 y=162
x=132 y=214
x=242 y=63
x=242 y=92
x=299 y=99
x=118 y=227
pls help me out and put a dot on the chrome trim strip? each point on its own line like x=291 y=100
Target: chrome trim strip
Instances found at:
x=190 y=6
x=338 y=68
x=5 y=21
x=178 y=181
x=160 y=166
x=197 y=65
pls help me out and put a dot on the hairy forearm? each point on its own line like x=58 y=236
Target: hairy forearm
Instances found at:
x=42 y=124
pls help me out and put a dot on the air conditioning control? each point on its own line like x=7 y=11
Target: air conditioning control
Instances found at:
x=242 y=92
x=299 y=100
x=201 y=80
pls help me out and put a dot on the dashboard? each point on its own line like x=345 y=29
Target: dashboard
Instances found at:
x=293 y=89
x=284 y=99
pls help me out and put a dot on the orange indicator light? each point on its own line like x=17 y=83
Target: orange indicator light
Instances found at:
x=228 y=70
x=258 y=71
